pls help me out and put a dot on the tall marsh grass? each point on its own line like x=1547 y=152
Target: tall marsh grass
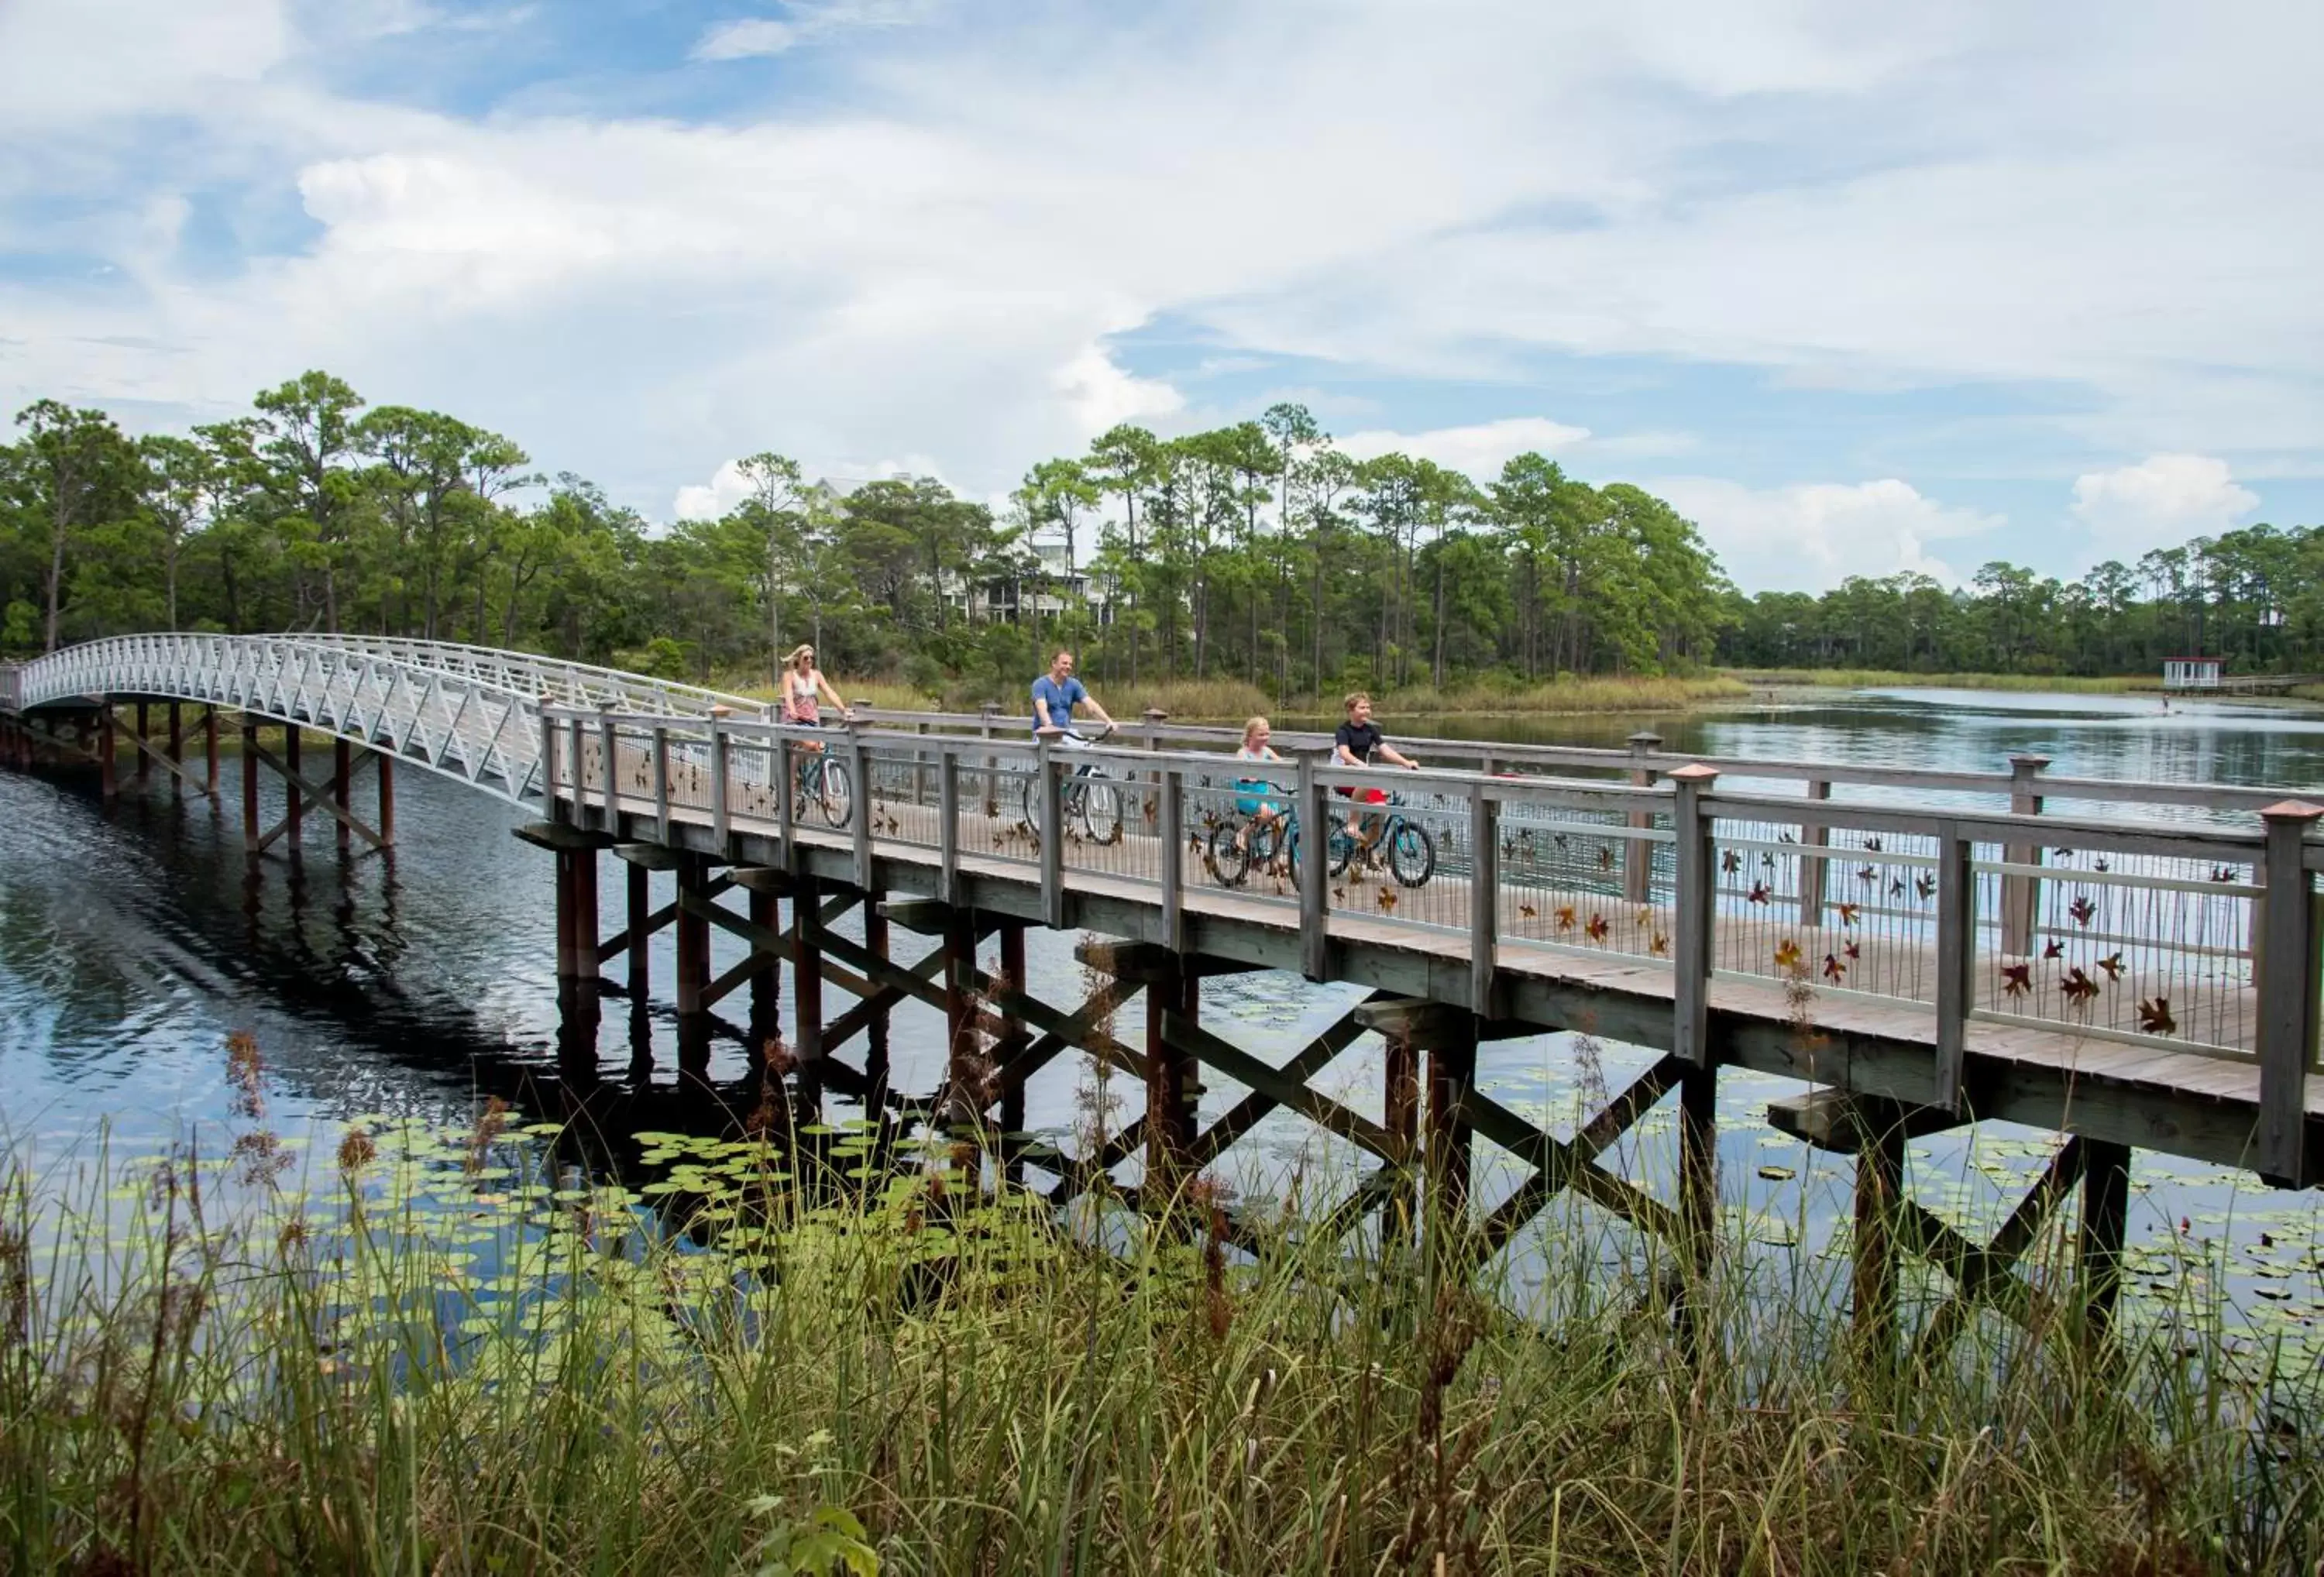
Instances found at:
x=1869 y=678
x=454 y=1352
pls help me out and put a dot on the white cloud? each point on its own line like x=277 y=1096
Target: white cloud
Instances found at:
x=745 y=37
x=1102 y=395
x=1480 y=450
x=937 y=246
x=2159 y=502
x=728 y=486
x=1812 y=536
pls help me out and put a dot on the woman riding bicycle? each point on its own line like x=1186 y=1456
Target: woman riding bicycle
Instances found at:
x=801 y=682
x=1251 y=793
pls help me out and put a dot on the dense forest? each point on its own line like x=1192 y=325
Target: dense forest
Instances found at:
x=1258 y=552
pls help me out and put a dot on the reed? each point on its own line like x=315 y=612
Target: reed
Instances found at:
x=1866 y=679
x=454 y=1352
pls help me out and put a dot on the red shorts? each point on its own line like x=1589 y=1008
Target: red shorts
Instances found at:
x=1369 y=796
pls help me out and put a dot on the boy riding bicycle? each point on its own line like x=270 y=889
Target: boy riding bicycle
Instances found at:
x=1359 y=742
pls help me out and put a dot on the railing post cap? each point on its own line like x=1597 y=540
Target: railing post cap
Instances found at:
x=1645 y=739
x=988 y=708
x=2027 y=761
x=722 y=712
x=1693 y=773
x=1155 y=714
x=2291 y=810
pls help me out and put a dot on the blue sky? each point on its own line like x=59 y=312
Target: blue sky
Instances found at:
x=1860 y=289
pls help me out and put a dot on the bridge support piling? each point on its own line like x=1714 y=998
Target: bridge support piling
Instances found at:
x=145 y=733
x=293 y=812
x=385 y=766
x=108 y=746
x=249 y=784
x=766 y=986
x=1172 y=1082
x=177 y=748
x=342 y=775
x=1698 y=1196
x=1452 y=1073
x=2106 y=1220
x=875 y=1033
x=210 y=755
x=1400 y=1115
x=639 y=894
x=806 y=973
x=693 y=939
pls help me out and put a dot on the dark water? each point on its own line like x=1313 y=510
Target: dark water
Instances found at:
x=133 y=942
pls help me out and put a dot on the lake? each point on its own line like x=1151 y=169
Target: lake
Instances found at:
x=133 y=943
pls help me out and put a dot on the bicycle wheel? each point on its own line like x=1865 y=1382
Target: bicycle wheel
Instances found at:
x=1341 y=847
x=1101 y=810
x=1230 y=860
x=1411 y=854
x=834 y=797
x=1029 y=801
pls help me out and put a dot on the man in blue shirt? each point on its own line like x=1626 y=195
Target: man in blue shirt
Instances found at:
x=1057 y=693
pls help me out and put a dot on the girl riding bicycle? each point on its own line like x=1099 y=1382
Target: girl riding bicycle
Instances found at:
x=802 y=681
x=1251 y=793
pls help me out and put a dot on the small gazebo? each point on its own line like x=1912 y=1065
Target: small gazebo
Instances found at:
x=2191 y=673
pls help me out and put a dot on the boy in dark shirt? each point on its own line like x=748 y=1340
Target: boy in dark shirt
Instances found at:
x=1359 y=742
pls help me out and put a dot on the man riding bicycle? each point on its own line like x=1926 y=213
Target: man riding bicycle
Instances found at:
x=1359 y=742
x=1056 y=694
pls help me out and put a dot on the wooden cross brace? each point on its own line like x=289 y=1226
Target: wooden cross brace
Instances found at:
x=316 y=796
x=1983 y=1275
x=1563 y=1164
x=199 y=784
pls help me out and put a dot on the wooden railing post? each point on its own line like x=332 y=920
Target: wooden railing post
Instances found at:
x=786 y=803
x=1315 y=834
x=1694 y=902
x=1167 y=816
x=1814 y=837
x=1051 y=793
x=2020 y=895
x=948 y=826
x=1638 y=856
x=549 y=776
x=1484 y=900
x=2286 y=976
x=608 y=742
x=718 y=748
x=661 y=784
x=859 y=764
x=1956 y=960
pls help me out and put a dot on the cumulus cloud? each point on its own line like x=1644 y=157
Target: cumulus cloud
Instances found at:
x=1480 y=450
x=745 y=37
x=2159 y=502
x=940 y=241
x=1812 y=536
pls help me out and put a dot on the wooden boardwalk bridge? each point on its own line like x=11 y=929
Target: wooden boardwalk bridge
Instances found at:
x=1923 y=948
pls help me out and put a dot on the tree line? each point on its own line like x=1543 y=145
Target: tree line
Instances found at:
x=1259 y=551
x=2254 y=597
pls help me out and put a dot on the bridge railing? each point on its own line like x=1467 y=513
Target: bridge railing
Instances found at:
x=12 y=687
x=2146 y=935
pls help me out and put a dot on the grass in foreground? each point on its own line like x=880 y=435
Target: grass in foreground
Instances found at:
x=438 y=1360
